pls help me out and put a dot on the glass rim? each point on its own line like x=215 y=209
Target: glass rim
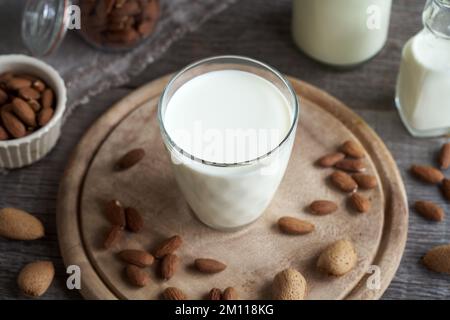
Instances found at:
x=238 y=59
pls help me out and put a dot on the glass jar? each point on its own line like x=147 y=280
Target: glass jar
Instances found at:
x=341 y=33
x=113 y=25
x=423 y=85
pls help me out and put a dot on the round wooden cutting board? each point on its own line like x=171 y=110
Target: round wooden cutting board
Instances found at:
x=253 y=254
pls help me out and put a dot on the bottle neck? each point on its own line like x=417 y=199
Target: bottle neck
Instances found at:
x=436 y=17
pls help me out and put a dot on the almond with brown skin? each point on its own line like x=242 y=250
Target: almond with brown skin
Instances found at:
x=115 y=213
x=12 y=124
x=173 y=293
x=429 y=210
x=215 y=294
x=135 y=223
x=294 y=226
x=444 y=156
x=17 y=224
x=17 y=83
x=438 y=259
x=230 y=293
x=331 y=159
x=446 y=188
x=139 y=258
x=427 y=174
x=322 y=207
x=113 y=237
x=29 y=94
x=209 y=265
x=359 y=202
x=24 y=112
x=137 y=277
x=35 y=278
x=365 y=181
x=169 y=266
x=353 y=149
x=168 y=246
x=38 y=85
x=47 y=98
x=45 y=115
x=131 y=158
x=36 y=106
x=3 y=134
x=351 y=165
x=343 y=181
x=3 y=97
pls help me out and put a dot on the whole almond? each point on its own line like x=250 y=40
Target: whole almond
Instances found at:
x=331 y=159
x=446 y=188
x=230 y=293
x=47 y=98
x=115 y=213
x=3 y=97
x=35 y=278
x=353 y=149
x=139 y=258
x=215 y=294
x=135 y=223
x=294 y=226
x=429 y=210
x=34 y=105
x=29 y=94
x=20 y=225
x=427 y=174
x=24 y=112
x=365 y=181
x=168 y=246
x=130 y=159
x=3 y=134
x=444 y=156
x=343 y=181
x=438 y=259
x=322 y=207
x=12 y=124
x=17 y=83
x=359 y=202
x=45 y=115
x=289 y=284
x=351 y=165
x=169 y=266
x=113 y=236
x=38 y=85
x=173 y=293
x=338 y=258
x=209 y=265
x=137 y=276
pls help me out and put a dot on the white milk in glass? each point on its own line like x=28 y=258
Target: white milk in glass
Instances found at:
x=227 y=118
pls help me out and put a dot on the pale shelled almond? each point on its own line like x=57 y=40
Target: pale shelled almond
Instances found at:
x=230 y=293
x=173 y=293
x=169 y=265
x=427 y=174
x=289 y=284
x=338 y=258
x=137 y=277
x=139 y=258
x=115 y=213
x=359 y=202
x=429 y=210
x=35 y=278
x=331 y=159
x=17 y=224
x=444 y=156
x=365 y=181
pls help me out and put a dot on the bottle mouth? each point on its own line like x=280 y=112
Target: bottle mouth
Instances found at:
x=436 y=17
x=222 y=62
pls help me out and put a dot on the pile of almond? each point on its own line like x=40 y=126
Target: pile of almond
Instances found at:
x=26 y=105
x=118 y=23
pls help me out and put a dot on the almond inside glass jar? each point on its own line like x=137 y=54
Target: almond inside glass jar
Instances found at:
x=118 y=24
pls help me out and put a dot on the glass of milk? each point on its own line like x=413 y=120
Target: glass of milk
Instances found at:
x=229 y=124
x=423 y=86
x=341 y=33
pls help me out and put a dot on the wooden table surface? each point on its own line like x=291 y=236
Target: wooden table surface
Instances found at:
x=259 y=29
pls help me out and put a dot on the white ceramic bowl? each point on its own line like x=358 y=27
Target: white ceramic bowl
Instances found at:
x=24 y=151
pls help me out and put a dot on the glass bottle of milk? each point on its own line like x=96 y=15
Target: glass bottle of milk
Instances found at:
x=341 y=33
x=423 y=86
